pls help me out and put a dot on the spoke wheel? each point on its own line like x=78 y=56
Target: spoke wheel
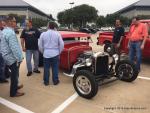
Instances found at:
x=85 y=84
x=126 y=71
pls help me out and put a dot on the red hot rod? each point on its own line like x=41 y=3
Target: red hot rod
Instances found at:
x=89 y=68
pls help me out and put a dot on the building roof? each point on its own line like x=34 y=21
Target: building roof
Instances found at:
x=140 y=3
x=143 y=3
x=13 y=3
x=20 y=4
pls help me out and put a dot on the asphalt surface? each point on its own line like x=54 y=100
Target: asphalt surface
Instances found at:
x=115 y=97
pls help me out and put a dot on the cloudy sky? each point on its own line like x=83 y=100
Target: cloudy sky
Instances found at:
x=103 y=6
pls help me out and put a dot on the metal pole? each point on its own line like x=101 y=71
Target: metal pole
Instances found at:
x=71 y=3
x=27 y=15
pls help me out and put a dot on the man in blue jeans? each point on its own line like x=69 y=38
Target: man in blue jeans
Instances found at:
x=29 y=42
x=2 y=70
x=137 y=37
x=12 y=54
x=51 y=45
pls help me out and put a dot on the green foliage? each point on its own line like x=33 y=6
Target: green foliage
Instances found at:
x=110 y=19
x=19 y=18
x=39 y=22
x=101 y=21
x=78 y=16
x=144 y=16
x=36 y=21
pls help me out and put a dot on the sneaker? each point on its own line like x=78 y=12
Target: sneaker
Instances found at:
x=29 y=73
x=18 y=94
x=56 y=82
x=4 y=81
x=36 y=71
x=46 y=84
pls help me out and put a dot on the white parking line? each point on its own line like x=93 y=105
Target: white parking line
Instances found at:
x=65 y=103
x=145 y=78
x=59 y=109
x=14 y=106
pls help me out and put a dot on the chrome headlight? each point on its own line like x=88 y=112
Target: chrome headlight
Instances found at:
x=116 y=57
x=88 y=62
x=109 y=49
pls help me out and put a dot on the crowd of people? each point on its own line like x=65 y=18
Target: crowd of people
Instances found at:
x=50 y=44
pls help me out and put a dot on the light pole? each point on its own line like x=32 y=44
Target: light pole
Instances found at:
x=71 y=3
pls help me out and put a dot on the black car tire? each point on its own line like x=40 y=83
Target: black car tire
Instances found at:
x=85 y=75
x=126 y=71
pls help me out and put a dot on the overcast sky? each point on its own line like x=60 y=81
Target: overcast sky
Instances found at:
x=103 y=6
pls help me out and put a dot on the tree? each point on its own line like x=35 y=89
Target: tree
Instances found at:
x=35 y=21
x=78 y=16
x=101 y=21
x=85 y=13
x=110 y=20
x=39 y=22
x=144 y=16
x=18 y=18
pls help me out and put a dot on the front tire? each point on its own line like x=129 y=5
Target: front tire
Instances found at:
x=126 y=71
x=85 y=84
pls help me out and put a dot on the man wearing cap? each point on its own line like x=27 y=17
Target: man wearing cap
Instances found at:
x=51 y=45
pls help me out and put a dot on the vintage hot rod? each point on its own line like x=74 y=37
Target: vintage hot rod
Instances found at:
x=89 y=68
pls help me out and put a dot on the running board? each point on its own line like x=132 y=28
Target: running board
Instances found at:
x=69 y=75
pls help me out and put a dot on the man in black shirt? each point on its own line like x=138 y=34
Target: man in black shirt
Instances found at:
x=118 y=34
x=29 y=42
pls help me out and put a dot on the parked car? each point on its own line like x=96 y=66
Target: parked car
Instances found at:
x=105 y=38
x=63 y=29
x=93 y=31
x=92 y=69
x=84 y=30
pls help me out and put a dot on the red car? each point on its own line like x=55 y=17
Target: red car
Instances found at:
x=75 y=43
x=73 y=47
x=106 y=38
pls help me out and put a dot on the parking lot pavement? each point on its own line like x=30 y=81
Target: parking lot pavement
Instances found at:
x=39 y=98
x=4 y=109
x=115 y=97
